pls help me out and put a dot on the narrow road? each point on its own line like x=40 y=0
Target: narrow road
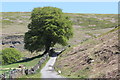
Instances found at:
x=48 y=71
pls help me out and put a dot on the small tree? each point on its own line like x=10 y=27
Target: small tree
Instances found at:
x=10 y=55
x=48 y=26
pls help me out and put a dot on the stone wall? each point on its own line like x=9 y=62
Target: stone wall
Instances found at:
x=15 y=73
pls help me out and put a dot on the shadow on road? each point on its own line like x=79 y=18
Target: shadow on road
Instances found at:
x=53 y=53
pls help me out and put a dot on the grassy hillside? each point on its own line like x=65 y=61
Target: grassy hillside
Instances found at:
x=86 y=26
x=94 y=58
x=14 y=22
x=94 y=21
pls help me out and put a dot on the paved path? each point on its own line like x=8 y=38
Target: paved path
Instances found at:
x=48 y=71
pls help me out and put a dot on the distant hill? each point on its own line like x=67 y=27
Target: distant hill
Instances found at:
x=94 y=58
x=16 y=22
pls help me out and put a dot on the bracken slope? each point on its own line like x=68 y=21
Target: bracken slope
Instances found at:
x=95 y=58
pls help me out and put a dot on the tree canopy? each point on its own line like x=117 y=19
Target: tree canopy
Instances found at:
x=48 y=26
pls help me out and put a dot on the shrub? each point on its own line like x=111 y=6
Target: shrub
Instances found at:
x=10 y=55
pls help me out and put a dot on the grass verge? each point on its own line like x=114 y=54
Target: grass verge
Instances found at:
x=28 y=63
x=38 y=74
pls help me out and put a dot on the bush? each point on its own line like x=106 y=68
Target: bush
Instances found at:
x=10 y=55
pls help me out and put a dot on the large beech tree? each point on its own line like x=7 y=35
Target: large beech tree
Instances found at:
x=48 y=26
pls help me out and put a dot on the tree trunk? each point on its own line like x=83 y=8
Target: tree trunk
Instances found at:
x=46 y=50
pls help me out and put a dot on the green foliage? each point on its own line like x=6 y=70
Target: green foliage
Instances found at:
x=48 y=26
x=10 y=55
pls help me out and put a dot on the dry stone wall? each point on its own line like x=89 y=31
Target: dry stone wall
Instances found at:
x=15 y=73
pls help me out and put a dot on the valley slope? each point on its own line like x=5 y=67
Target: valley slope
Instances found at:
x=94 y=58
